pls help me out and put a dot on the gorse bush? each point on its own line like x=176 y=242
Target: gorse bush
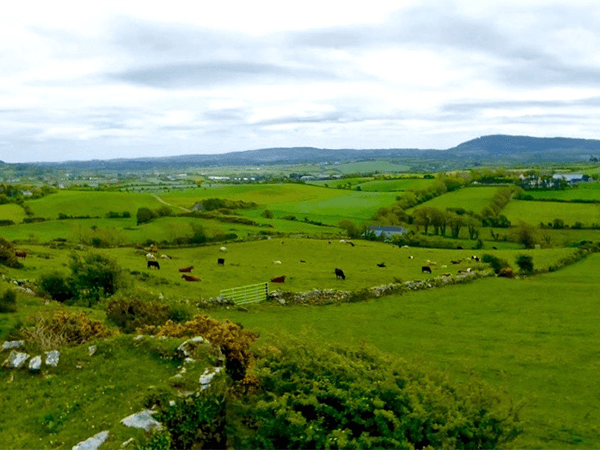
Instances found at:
x=311 y=396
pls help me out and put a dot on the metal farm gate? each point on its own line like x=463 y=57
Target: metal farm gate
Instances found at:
x=252 y=293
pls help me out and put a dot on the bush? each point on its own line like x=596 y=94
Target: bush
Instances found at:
x=51 y=331
x=7 y=255
x=496 y=263
x=130 y=313
x=57 y=286
x=312 y=396
x=267 y=214
x=95 y=276
x=8 y=301
x=525 y=263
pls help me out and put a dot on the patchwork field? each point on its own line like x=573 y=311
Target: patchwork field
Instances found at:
x=471 y=199
x=536 y=337
x=536 y=212
x=584 y=191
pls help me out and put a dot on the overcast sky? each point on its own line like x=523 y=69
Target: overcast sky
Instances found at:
x=121 y=79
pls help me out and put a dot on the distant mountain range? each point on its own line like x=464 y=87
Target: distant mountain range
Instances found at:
x=486 y=149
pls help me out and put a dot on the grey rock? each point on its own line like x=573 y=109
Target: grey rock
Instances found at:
x=91 y=349
x=15 y=360
x=9 y=345
x=35 y=363
x=281 y=301
x=207 y=377
x=188 y=347
x=139 y=337
x=92 y=443
x=143 y=420
x=52 y=358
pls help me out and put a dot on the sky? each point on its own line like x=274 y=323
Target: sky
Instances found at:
x=125 y=79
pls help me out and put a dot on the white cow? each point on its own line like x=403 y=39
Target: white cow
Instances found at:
x=150 y=257
x=223 y=249
x=276 y=262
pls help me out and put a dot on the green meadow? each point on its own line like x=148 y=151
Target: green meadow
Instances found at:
x=394 y=185
x=583 y=191
x=535 y=212
x=11 y=211
x=471 y=199
x=537 y=337
x=90 y=203
x=371 y=166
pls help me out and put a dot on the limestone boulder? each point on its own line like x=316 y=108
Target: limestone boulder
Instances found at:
x=143 y=420
x=35 y=363
x=92 y=443
x=15 y=360
x=52 y=358
x=9 y=345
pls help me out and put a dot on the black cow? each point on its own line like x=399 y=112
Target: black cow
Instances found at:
x=221 y=261
x=153 y=264
x=425 y=269
x=339 y=273
x=381 y=265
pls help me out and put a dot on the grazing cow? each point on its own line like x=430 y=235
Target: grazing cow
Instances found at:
x=150 y=257
x=411 y=257
x=446 y=275
x=280 y=279
x=165 y=257
x=276 y=262
x=282 y=242
x=350 y=242
x=21 y=254
x=425 y=269
x=153 y=264
x=329 y=242
x=187 y=269
x=223 y=249
x=190 y=277
x=494 y=248
x=475 y=258
x=339 y=273
x=302 y=261
x=381 y=264
x=342 y=241
x=431 y=263
x=405 y=246
x=459 y=248
x=444 y=266
x=458 y=261
x=221 y=262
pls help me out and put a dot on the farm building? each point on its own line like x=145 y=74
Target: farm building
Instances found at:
x=571 y=178
x=388 y=231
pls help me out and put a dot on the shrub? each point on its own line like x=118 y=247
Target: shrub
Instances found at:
x=233 y=340
x=506 y=272
x=496 y=263
x=7 y=255
x=8 y=301
x=313 y=396
x=60 y=327
x=130 y=313
x=267 y=214
x=57 y=286
x=525 y=263
x=95 y=276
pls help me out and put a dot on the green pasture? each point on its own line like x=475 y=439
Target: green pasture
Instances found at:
x=535 y=212
x=90 y=203
x=402 y=184
x=334 y=183
x=536 y=337
x=583 y=191
x=470 y=198
x=11 y=211
x=252 y=262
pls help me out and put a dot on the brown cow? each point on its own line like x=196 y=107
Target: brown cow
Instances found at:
x=21 y=254
x=190 y=277
x=187 y=269
x=280 y=279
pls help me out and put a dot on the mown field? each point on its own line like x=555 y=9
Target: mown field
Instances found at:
x=471 y=199
x=537 y=337
x=90 y=203
x=535 y=212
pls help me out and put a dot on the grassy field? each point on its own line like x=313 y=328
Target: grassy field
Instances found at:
x=583 y=191
x=90 y=203
x=537 y=337
x=536 y=212
x=396 y=185
x=471 y=199
x=13 y=212
x=252 y=262
x=371 y=166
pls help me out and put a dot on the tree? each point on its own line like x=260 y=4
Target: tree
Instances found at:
x=352 y=229
x=95 y=276
x=558 y=224
x=422 y=217
x=525 y=263
x=144 y=215
x=456 y=222
x=198 y=234
x=525 y=234
x=438 y=220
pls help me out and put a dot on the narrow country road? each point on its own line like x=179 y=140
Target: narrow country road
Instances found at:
x=168 y=204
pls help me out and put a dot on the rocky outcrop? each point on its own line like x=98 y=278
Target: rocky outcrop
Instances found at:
x=207 y=377
x=15 y=360
x=143 y=420
x=35 y=363
x=52 y=358
x=9 y=345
